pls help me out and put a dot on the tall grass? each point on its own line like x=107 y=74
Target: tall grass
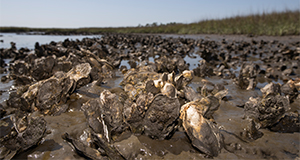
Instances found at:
x=275 y=23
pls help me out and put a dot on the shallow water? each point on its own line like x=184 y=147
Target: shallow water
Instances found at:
x=229 y=117
x=5 y=87
x=28 y=41
x=23 y=40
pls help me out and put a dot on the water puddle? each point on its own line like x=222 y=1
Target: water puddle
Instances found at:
x=193 y=60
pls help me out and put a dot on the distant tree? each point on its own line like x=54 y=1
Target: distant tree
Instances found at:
x=154 y=24
x=171 y=23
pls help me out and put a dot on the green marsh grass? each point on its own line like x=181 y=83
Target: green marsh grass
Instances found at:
x=273 y=24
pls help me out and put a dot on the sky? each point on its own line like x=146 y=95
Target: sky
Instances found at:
x=118 y=13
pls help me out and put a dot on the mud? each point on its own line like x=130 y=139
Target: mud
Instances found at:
x=277 y=58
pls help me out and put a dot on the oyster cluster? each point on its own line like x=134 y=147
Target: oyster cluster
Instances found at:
x=272 y=107
x=154 y=99
x=153 y=108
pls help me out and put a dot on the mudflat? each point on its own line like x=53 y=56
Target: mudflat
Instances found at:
x=152 y=96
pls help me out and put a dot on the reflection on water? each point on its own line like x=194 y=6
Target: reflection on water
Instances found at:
x=23 y=40
x=6 y=86
x=28 y=41
x=151 y=59
x=125 y=63
x=193 y=60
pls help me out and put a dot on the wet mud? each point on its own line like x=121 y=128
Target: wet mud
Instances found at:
x=152 y=97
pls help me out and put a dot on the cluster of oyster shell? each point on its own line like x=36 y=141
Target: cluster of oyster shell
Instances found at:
x=152 y=107
x=155 y=98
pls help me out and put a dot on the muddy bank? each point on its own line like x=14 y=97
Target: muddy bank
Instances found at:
x=152 y=97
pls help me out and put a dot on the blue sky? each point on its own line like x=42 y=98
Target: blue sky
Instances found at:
x=115 y=13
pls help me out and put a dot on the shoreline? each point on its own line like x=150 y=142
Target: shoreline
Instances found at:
x=237 y=37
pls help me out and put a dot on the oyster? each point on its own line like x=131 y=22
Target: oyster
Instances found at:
x=94 y=117
x=169 y=90
x=247 y=75
x=52 y=93
x=150 y=87
x=104 y=151
x=160 y=118
x=49 y=94
x=105 y=115
x=289 y=123
x=184 y=79
x=81 y=148
x=268 y=110
x=203 y=133
x=42 y=68
x=290 y=90
x=19 y=132
x=134 y=76
x=134 y=112
x=205 y=106
x=271 y=88
x=112 y=108
x=190 y=94
x=80 y=74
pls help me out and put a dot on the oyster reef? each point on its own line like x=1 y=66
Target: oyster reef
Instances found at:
x=152 y=97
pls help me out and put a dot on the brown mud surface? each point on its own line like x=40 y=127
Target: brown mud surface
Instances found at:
x=230 y=62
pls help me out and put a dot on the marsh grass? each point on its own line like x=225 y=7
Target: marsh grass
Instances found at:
x=274 y=23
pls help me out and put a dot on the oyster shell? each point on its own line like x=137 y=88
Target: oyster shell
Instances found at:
x=205 y=106
x=49 y=93
x=268 y=110
x=169 y=90
x=19 y=132
x=203 y=133
x=160 y=118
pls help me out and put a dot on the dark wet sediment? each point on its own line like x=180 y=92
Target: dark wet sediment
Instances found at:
x=177 y=97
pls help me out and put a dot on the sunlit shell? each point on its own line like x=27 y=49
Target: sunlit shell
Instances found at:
x=169 y=90
x=205 y=106
x=297 y=83
x=171 y=77
x=201 y=109
x=271 y=88
x=158 y=83
x=129 y=88
x=203 y=133
x=221 y=94
x=188 y=75
x=80 y=71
